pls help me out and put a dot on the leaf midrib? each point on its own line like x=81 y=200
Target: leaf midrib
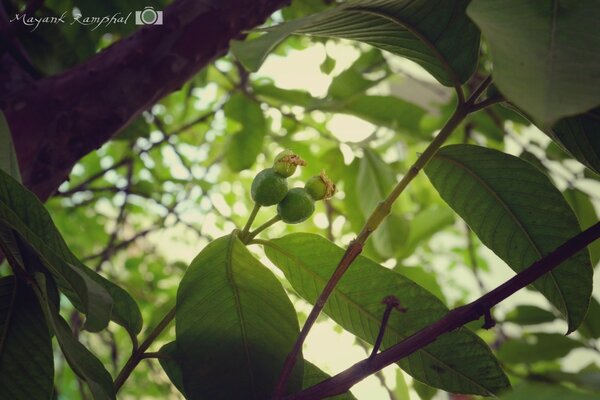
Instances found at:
x=369 y=315
x=238 y=308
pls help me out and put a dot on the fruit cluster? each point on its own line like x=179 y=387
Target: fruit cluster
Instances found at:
x=270 y=187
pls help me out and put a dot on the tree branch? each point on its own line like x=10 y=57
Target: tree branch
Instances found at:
x=57 y=120
x=454 y=319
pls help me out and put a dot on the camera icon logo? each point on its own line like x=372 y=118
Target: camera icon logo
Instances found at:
x=148 y=16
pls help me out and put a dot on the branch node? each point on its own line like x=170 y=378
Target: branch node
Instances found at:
x=489 y=321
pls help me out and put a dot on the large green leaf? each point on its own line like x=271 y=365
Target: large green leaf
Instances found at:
x=544 y=53
x=170 y=362
x=586 y=214
x=98 y=298
x=516 y=211
x=234 y=323
x=247 y=142
x=374 y=182
x=26 y=364
x=580 y=136
x=8 y=157
x=539 y=391
x=529 y=315
x=590 y=327
x=435 y=34
x=535 y=348
x=81 y=360
x=424 y=225
x=389 y=111
x=458 y=362
x=364 y=73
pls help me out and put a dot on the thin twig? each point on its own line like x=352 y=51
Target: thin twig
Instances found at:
x=138 y=354
x=454 y=319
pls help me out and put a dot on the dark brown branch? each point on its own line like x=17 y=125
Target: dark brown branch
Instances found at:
x=57 y=120
x=454 y=319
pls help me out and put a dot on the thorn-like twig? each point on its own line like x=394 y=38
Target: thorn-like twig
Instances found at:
x=391 y=302
x=488 y=320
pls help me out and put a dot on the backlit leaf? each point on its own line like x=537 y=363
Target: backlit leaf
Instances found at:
x=515 y=211
x=458 y=362
x=235 y=325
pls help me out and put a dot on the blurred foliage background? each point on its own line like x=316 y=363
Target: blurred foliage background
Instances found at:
x=139 y=208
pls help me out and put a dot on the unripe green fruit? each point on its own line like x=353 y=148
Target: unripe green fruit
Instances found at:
x=285 y=163
x=296 y=207
x=268 y=188
x=320 y=187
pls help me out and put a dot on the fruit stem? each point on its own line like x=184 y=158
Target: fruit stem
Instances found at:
x=247 y=238
x=250 y=220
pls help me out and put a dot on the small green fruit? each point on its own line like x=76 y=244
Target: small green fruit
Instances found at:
x=268 y=188
x=286 y=162
x=320 y=187
x=296 y=207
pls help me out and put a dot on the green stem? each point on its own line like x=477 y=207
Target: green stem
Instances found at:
x=382 y=210
x=250 y=220
x=139 y=354
x=247 y=238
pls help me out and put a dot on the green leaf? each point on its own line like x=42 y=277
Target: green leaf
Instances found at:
x=579 y=136
x=8 y=157
x=424 y=391
x=515 y=211
x=357 y=78
x=26 y=364
x=529 y=315
x=138 y=128
x=327 y=65
x=81 y=360
x=234 y=323
x=590 y=327
x=435 y=34
x=535 y=348
x=22 y=212
x=424 y=225
x=538 y=391
x=98 y=298
x=171 y=364
x=246 y=143
x=314 y=375
x=544 y=54
x=389 y=111
x=374 y=182
x=459 y=362
x=586 y=214
x=401 y=390
x=422 y=278
x=280 y=96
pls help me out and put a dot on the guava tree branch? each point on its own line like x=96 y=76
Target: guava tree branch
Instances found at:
x=454 y=319
x=378 y=215
x=57 y=120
